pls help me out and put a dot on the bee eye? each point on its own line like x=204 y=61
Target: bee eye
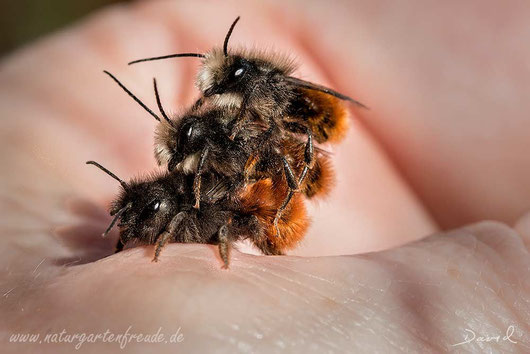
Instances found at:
x=238 y=72
x=150 y=210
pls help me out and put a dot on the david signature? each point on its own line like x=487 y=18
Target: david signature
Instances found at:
x=471 y=336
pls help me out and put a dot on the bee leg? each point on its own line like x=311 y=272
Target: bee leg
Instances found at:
x=241 y=117
x=237 y=125
x=269 y=249
x=250 y=167
x=224 y=245
x=198 y=177
x=260 y=237
x=293 y=187
x=198 y=103
x=160 y=243
x=309 y=159
x=119 y=246
x=280 y=211
x=267 y=134
x=164 y=237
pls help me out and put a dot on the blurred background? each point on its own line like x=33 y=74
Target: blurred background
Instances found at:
x=24 y=20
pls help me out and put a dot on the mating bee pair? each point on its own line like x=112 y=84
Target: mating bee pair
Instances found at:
x=239 y=161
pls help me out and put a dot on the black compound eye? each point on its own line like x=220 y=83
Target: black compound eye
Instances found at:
x=186 y=133
x=150 y=210
x=191 y=135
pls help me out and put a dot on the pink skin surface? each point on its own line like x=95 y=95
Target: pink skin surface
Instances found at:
x=445 y=144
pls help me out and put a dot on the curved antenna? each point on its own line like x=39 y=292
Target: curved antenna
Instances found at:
x=123 y=184
x=225 y=45
x=178 y=55
x=132 y=95
x=159 y=103
x=116 y=217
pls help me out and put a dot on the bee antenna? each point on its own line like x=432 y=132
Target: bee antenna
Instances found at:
x=132 y=95
x=178 y=55
x=123 y=184
x=116 y=217
x=159 y=103
x=225 y=45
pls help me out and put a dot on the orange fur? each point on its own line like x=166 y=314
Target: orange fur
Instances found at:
x=320 y=178
x=262 y=199
x=329 y=123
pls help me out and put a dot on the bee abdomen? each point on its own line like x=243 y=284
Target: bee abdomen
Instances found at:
x=325 y=115
x=320 y=179
x=262 y=199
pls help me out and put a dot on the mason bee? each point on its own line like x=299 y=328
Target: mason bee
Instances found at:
x=159 y=209
x=259 y=85
x=198 y=142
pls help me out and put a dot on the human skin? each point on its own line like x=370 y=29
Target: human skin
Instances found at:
x=441 y=147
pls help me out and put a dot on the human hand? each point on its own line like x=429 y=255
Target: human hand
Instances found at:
x=409 y=166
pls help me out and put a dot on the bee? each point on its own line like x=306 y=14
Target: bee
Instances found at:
x=159 y=209
x=259 y=85
x=197 y=142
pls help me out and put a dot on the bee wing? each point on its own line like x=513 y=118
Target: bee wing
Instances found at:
x=322 y=151
x=218 y=191
x=311 y=86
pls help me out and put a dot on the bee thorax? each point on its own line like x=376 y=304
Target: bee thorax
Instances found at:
x=231 y=100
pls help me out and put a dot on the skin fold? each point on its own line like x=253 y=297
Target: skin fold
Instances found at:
x=400 y=256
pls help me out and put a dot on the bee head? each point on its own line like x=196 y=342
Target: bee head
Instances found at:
x=230 y=74
x=225 y=73
x=143 y=208
x=173 y=143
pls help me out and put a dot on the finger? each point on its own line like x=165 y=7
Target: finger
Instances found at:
x=419 y=297
x=522 y=226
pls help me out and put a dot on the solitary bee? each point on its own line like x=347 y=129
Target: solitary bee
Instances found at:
x=197 y=142
x=159 y=209
x=260 y=85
